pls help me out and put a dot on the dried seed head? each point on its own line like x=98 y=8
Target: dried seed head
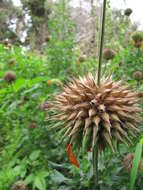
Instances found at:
x=128 y=12
x=138 y=75
x=128 y=162
x=109 y=54
x=18 y=186
x=32 y=125
x=9 y=76
x=93 y=114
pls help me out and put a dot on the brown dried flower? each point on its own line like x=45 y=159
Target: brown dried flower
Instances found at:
x=88 y=114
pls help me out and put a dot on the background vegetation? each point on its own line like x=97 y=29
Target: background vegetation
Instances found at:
x=33 y=68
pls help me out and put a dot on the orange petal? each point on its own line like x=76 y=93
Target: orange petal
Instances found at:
x=89 y=149
x=71 y=156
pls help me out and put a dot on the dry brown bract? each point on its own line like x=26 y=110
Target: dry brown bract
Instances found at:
x=97 y=114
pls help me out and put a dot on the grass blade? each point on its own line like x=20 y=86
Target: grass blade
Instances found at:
x=135 y=166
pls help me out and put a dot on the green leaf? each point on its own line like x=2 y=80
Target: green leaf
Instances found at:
x=34 y=155
x=57 y=177
x=135 y=166
x=40 y=183
x=29 y=179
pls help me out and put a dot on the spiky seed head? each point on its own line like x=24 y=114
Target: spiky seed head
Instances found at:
x=9 y=76
x=91 y=114
x=128 y=12
x=18 y=186
x=137 y=75
x=128 y=162
x=109 y=54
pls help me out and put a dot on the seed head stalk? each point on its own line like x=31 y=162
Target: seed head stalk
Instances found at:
x=95 y=149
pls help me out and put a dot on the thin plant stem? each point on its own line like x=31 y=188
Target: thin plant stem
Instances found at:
x=95 y=149
x=101 y=43
x=95 y=165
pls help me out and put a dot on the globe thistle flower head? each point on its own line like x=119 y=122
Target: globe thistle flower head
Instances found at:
x=91 y=114
x=9 y=76
x=128 y=12
x=137 y=75
x=109 y=54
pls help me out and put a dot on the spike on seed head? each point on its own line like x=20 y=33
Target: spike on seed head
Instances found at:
x=109 y=54
x=110 y=112
x=9 y=76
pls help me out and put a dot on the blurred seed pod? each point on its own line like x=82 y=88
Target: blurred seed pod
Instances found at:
x=109 y=54
x=9 y=46
x=82 y=58
x=5 y=41
x=99 y=115
x=128 y=12
x=47 y=39
x=32 y=125
x=137 y=38
x=128 y=162
x=18 y=186
x=9 y=76
x=137 y=75
x=12 y=61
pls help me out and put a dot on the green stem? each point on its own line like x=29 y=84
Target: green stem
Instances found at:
x=95 y=150
x=95 y=165
x=101 y=43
